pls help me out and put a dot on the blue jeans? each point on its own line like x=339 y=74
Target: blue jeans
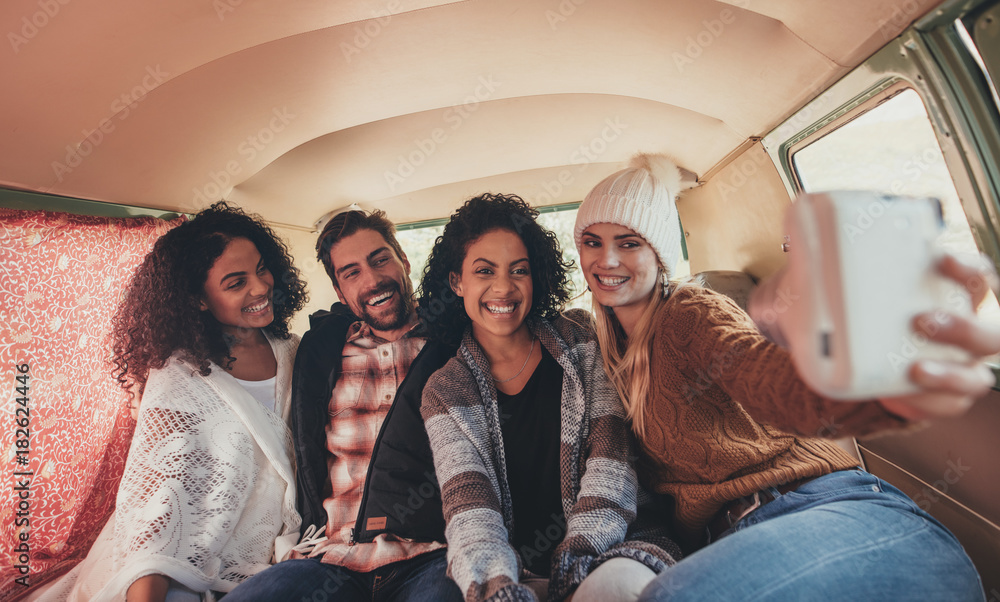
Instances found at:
x=309 y=580
x=844 y=536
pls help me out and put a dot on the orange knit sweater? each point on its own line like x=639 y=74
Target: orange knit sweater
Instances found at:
x=728 y=414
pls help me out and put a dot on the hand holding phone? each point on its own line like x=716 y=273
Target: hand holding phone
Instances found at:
x=861 y=268
x=950 y=388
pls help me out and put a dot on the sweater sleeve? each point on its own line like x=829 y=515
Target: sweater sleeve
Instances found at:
x=480 y=558
x=720 y=344
x=606 y=503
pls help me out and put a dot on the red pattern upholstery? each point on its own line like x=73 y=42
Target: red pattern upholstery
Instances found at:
x=61 y=277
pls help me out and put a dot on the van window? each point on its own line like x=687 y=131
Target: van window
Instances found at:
x=891 y=149
x=417 y=244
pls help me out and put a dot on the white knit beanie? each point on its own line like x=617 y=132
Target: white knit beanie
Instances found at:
x=641 y=198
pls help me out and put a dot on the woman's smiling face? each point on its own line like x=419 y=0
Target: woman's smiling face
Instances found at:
x=619 y=265
x=495 y=284
x=237 y=291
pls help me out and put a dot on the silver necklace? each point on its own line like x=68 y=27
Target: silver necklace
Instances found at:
x=530 y=349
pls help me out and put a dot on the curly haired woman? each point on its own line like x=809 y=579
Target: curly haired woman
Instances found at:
x=530 y=440
x=208 y=489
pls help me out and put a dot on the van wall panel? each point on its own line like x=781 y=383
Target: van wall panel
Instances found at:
x=302 y=245
x=734 y=221
x=957 y=457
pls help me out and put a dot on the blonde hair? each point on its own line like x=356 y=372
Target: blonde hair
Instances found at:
x=627 y=359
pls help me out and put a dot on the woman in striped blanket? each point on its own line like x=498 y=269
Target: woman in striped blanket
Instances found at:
x=530 y=441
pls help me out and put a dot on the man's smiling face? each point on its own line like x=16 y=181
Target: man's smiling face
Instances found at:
x=373 y=282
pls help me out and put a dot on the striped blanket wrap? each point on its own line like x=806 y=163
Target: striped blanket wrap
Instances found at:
x=598 y=484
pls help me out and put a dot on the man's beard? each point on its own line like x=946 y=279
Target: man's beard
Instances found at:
x=401 y=313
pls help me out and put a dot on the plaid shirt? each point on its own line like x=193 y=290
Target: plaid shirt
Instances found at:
x=371 y=371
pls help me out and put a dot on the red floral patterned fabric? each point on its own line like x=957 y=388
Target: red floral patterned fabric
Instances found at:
x=66 y=426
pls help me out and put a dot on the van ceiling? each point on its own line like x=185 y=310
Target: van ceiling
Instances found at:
x=294 y=109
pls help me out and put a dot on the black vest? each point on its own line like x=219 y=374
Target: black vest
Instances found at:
x=401 y=494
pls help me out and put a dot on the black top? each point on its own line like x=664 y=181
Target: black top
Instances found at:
x=529 y=423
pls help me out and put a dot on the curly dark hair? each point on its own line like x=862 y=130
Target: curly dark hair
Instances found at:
x=479 y=215
x=160 y=311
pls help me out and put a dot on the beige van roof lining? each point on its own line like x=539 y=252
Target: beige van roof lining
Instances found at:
x=296 y=108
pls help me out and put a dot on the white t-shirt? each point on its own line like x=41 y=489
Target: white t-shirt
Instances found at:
x=262 y=390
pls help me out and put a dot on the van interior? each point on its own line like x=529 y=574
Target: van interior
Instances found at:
x=122 y=116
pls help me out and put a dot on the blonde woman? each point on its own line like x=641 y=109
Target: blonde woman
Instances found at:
x=728 y=429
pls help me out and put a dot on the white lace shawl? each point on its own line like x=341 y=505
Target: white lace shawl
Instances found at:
x=208 y=493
